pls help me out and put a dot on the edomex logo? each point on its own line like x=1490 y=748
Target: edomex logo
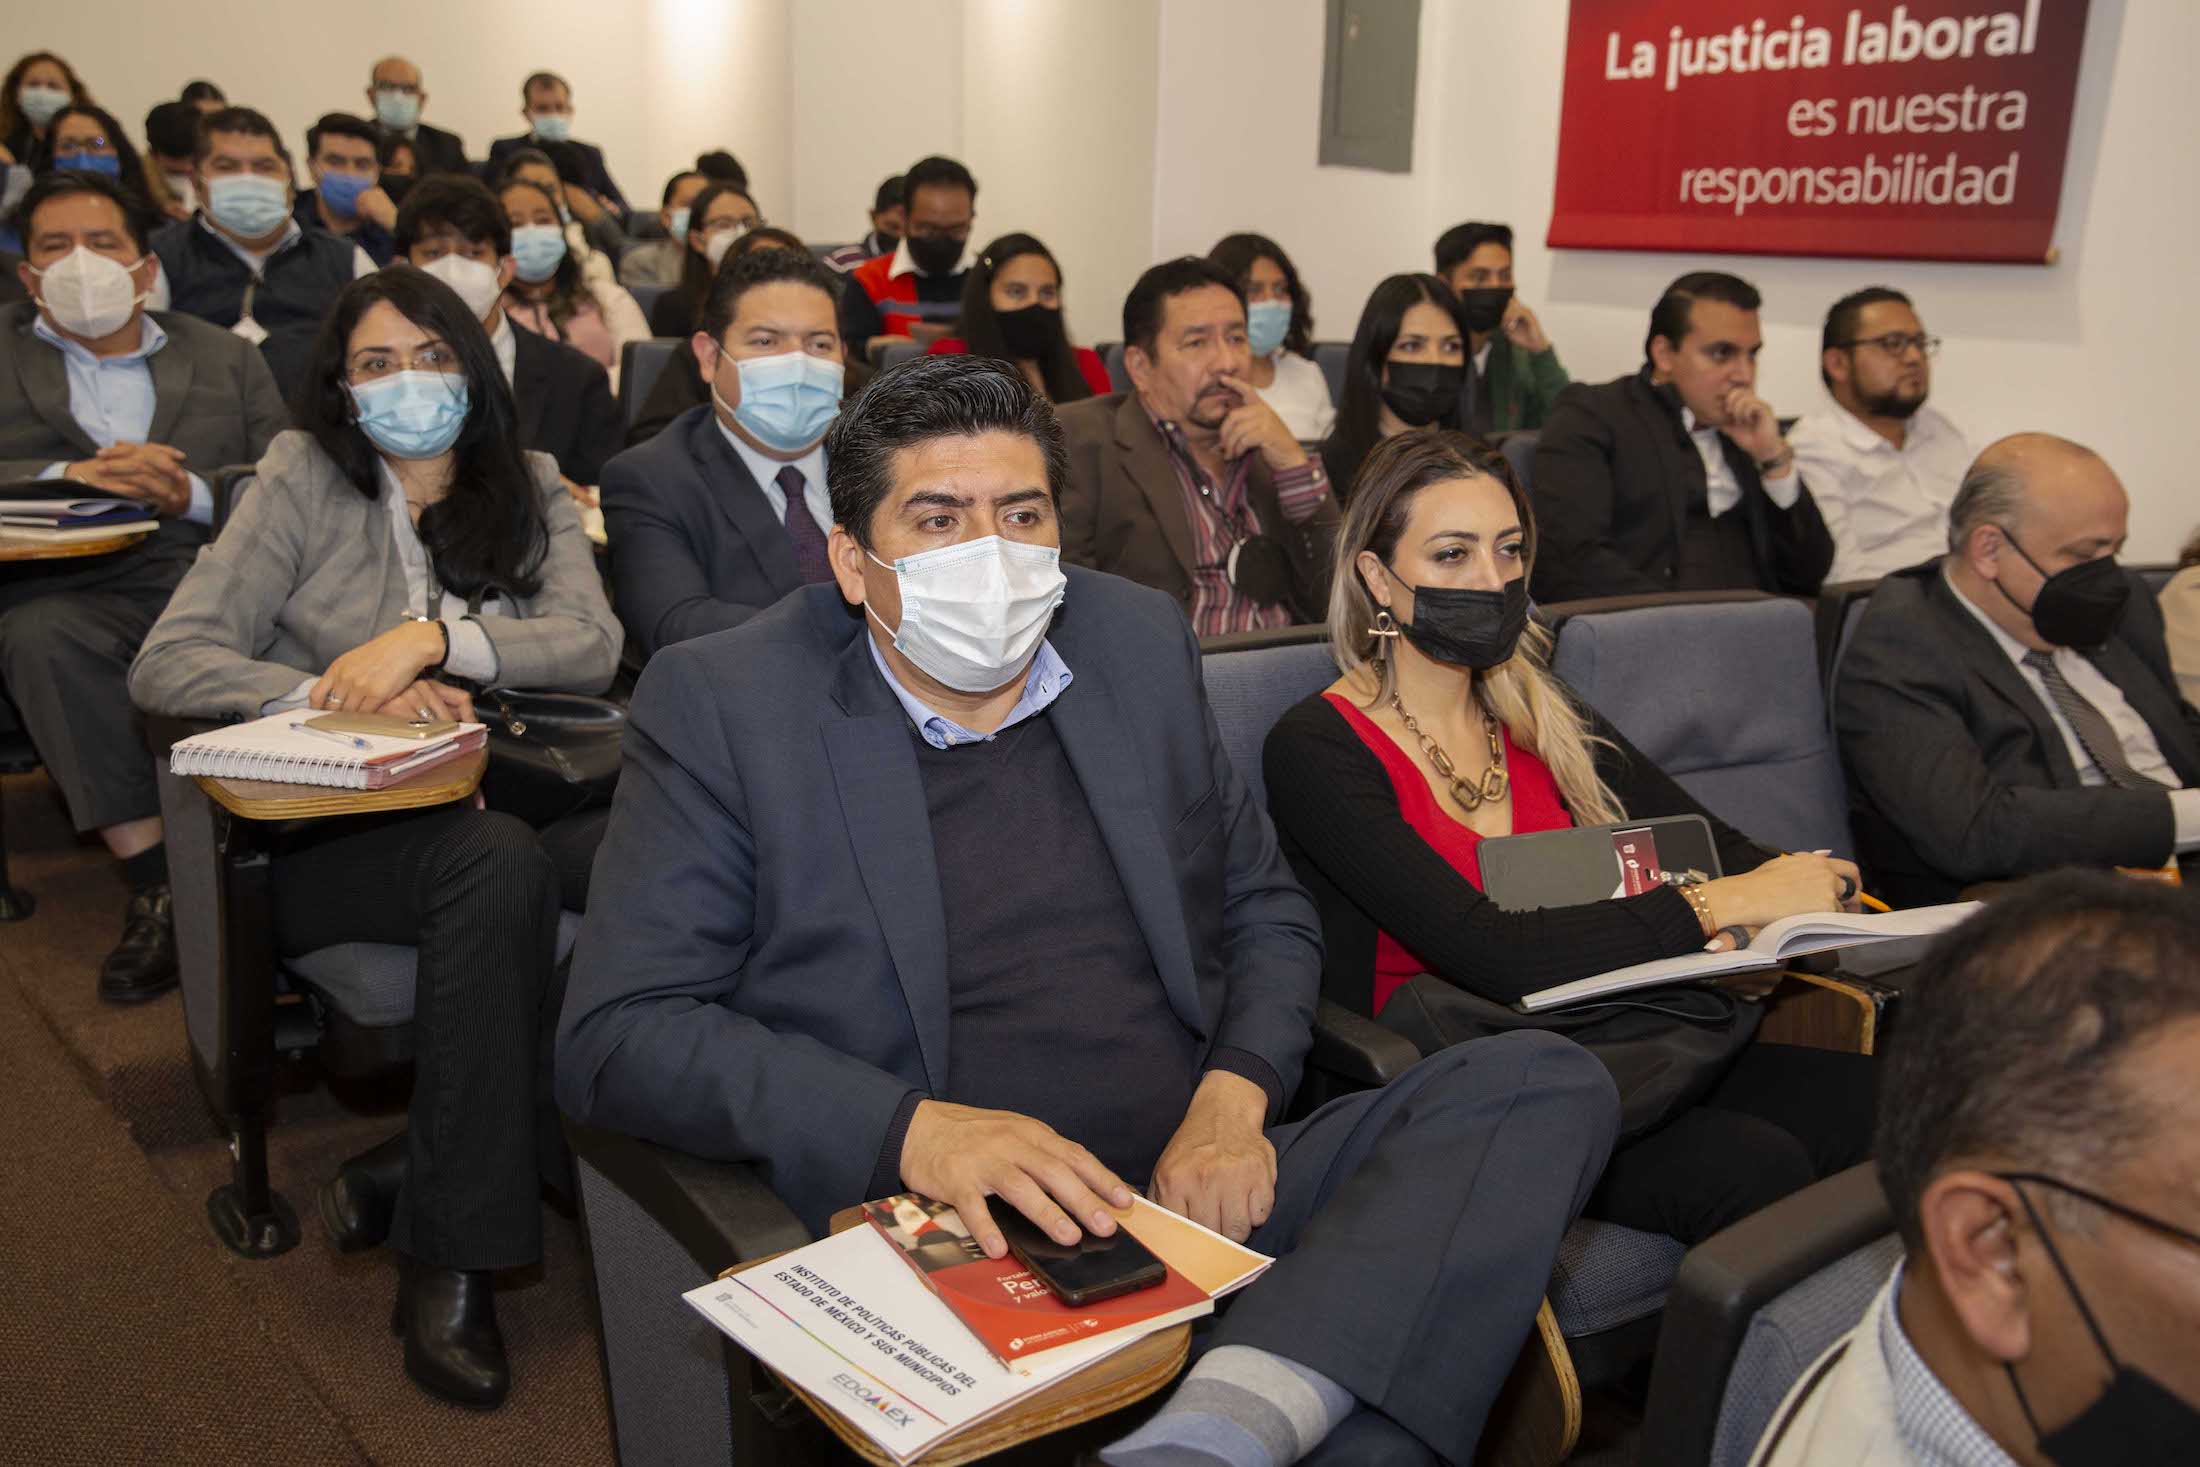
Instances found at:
x=871 y=1396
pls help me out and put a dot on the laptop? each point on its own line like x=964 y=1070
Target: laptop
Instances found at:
x=1593 y=863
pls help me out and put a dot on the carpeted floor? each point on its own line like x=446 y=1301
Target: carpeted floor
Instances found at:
x=130 y=1334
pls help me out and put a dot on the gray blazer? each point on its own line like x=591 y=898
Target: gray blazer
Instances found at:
x=306 y=569
x=213 y=398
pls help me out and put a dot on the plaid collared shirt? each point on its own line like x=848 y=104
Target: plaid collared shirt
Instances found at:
x=1932 y=1423
x=1221 y=518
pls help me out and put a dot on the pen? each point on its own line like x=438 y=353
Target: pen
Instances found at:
x=349 y=741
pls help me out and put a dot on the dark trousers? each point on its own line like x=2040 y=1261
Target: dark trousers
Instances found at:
x=1416 y=1226
x=67 y=635
x=475 y=892
x=1783 y=1117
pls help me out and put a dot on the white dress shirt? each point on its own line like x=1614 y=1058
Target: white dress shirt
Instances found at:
x=1885 y=507
x=1720 y=486
x=505 y=345
x=2141 y=750
x=765 y=471
x=112 y=399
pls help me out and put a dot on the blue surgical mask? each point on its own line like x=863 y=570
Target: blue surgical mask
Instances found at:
x=537 y=251
x=247 y=204
x=81 y=162
x=395 y=109
x=341 y=191
x=412 y=414
x=553 y=127
x=787 y=401
x=1266 y=324
x=677 y=230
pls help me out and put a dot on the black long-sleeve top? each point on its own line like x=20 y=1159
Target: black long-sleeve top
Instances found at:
x=1369 y=871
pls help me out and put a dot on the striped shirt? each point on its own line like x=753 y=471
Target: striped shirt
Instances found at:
x=1222 y=518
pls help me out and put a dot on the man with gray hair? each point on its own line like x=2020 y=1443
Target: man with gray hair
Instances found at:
x=2010 y=708
x=2039 y=1136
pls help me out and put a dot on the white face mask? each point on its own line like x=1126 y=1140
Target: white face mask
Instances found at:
x=475 y=282
x=88 y=295
x=716 y=245
x=972 y=614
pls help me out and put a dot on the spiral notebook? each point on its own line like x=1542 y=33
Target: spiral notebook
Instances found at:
x=281 y=748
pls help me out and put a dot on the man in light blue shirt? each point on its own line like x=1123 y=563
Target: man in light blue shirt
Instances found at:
x=117 y=401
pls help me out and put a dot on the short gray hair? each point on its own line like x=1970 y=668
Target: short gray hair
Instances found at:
x=1992 y=494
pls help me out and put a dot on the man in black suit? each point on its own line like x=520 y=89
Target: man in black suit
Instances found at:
x=939 y=878
x=726 y=510
x=115 y=399
x=395 y=92
x=2010 y=707
x=546 y=101
x=1677 y=478
x=454 y=229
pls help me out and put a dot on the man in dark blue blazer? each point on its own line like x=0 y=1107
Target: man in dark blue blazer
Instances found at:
x=939 y=878
x=727 y=509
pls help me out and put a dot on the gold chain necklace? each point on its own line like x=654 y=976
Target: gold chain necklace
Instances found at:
x=1470 y=796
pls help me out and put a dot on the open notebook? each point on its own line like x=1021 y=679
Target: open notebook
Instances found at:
x=1774 y=944
x=280 y=748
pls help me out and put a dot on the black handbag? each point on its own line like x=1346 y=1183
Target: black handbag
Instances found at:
x=1665 y=1047
x=550 y=754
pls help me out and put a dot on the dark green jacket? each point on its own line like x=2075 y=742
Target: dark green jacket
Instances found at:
x=1522 y=385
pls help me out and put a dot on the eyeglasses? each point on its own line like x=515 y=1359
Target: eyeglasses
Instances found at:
x=1896 y=344
x=2128 y=1214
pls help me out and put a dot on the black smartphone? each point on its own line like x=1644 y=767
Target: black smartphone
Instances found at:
x=1083 y=1272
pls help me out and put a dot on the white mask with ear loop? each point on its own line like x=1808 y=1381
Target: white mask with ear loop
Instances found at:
x=972 y=614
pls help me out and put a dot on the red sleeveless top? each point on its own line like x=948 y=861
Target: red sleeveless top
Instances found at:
x=1535 y=806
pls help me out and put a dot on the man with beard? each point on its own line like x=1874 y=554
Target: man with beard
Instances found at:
x=1514 y=376
x=1883 y=467
x=1190 y=483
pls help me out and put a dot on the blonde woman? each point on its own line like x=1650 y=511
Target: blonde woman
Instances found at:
x=1446 y=728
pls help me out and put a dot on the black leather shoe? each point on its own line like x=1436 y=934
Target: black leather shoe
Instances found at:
x=143 y=964
x=359 y=1202
x=453 y=1349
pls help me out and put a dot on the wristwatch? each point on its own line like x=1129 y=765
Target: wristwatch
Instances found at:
x=1778 y=461
x=437 y=665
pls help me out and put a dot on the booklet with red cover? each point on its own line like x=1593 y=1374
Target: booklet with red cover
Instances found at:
x=1018 y=1317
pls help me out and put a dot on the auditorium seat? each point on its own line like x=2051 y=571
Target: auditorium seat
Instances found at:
x=888 y=352
x=1721 y=690
x=1754 y=1306
x=646 y=296
x=640 y=364
x=1840 y=605
x=1330 y=357
x=1119 y=376
x=16 y=757
x=1518 y=447
x=2156 y=576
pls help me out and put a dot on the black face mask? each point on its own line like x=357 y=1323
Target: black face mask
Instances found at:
x=1477 y=629
x=1029 y=332
x=1482 y=307
x=936 y=254
x=2078 y=607
x=888 y=241
x=2136 y=1419
x=1421 y=392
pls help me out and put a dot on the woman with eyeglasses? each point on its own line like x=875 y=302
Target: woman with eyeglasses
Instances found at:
x=717 y=216
x=398 y=548
x=1446 y=728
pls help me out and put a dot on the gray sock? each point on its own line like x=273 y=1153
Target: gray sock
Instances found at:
x=1239 y=1407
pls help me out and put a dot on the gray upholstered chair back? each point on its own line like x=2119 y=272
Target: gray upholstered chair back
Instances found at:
x=1725 y=697
x=647 y=296
x=1249 y=690
x=1119 y=376
x=1519 y=451
x=1331 y=356
x=1788 y=1334
x=641 y=364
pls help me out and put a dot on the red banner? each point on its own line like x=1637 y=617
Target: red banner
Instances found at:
x=1932 y=130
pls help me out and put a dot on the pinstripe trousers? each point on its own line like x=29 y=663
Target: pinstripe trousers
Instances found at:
x=475 y=891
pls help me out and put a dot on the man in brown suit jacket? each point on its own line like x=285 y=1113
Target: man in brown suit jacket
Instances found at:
x=1191 y=483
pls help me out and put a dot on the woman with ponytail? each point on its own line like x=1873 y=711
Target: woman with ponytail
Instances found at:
x=1446 y=728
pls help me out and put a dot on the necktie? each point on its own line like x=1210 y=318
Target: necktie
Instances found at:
x=802 y=528
x=2090 y=724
